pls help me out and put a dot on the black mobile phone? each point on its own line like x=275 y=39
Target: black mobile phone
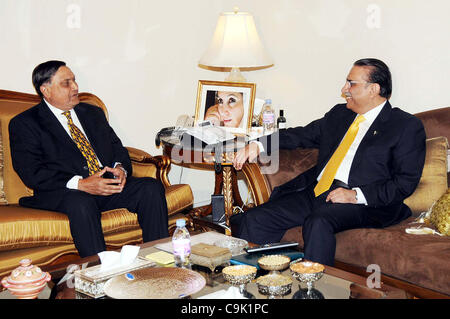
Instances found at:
x=108 y=175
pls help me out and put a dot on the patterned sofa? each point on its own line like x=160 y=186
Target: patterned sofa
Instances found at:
x=44 y=236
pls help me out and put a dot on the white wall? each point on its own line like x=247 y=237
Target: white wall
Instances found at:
x=140 y=56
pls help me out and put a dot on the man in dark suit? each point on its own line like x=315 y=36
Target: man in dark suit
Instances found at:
x=69 y=155
x=371 y=158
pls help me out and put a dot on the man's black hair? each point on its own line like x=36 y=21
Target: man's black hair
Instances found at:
x=379 y=74
x=43 y=73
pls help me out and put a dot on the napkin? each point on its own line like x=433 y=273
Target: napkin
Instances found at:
x=112 y=259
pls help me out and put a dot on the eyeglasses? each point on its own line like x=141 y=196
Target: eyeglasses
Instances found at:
x=352 y=82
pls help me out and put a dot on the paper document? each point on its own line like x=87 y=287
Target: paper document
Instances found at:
x=161 y=257
x=210 y=134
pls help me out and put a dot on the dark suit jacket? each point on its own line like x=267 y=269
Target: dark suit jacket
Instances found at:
x=387 y=165
x=46 y=158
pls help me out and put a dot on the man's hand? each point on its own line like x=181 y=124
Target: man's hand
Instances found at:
x=250 y=152
x=342 y=195
x=97 y=185
x=119 y=174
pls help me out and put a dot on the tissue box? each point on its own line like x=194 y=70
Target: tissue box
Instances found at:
x=90 y=281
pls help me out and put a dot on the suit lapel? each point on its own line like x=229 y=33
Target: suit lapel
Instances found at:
x=48 y=119
x=372 y=134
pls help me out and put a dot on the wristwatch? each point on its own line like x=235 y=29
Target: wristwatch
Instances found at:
x=123 y=169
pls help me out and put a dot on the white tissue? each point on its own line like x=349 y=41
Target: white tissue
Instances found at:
x=421 y=231
x=112 y=259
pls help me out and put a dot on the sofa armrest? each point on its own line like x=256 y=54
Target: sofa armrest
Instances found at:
x=290 y=164
x=257 y=183
x=146 y=165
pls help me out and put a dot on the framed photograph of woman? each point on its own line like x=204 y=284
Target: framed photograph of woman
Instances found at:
x=226 y=104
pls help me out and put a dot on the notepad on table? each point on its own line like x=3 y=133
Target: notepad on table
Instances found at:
x=161 y=257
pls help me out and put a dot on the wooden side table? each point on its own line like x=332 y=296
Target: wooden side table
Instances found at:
x=205 y=157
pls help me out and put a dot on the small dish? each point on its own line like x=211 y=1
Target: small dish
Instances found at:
x=235 y=245
x=274 y=285
x=239 y=274
x=307 y=272
x=274 y=263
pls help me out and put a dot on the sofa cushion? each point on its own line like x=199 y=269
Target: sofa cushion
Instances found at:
x=3 y=200
x=433 y=182
x=13 y=186
x=440 y=214
x=423 y=260
x=22 y=227
x=44 y=255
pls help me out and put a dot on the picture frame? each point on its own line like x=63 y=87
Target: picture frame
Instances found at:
x=226 y=104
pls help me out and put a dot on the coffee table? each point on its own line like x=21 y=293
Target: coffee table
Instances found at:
x=335 y=284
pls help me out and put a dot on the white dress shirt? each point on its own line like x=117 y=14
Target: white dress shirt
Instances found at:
x=73 y=182
x=344 y=169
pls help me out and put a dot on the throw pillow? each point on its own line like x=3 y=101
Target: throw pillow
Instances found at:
x=433 y=182
x=440 y=214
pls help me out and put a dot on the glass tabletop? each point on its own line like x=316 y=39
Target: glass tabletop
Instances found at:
x=327 y=287
x=334 y=284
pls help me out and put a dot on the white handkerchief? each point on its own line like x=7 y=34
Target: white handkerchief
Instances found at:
x=421 y=231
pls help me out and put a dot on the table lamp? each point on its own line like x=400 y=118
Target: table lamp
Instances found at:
x=235 y=46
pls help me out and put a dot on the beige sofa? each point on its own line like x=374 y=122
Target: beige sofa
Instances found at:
x=44 y=236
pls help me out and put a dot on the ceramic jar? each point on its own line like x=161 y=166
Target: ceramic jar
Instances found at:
x=26 y=281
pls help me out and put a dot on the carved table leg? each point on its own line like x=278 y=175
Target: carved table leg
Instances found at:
x=228 y=194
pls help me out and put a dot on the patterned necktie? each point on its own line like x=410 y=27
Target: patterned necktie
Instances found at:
x=83 y=145
x=335 y=161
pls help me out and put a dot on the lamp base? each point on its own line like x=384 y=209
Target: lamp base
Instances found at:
x=235 y=76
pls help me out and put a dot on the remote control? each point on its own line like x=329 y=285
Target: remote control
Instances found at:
x=271 y=246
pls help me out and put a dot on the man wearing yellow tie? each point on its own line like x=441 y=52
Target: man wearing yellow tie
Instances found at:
x=69 y=155
x=371 y=157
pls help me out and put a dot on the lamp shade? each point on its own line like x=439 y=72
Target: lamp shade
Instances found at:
x=236 y=44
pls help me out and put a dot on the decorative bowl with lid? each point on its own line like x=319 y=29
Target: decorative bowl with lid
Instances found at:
x=26 y=281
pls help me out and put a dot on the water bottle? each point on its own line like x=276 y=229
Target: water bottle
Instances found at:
x=268 y=117
x=281 y=121
x=181 y=243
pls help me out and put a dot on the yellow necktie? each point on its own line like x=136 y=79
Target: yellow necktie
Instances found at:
x=335 y=161
x=83 y=145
